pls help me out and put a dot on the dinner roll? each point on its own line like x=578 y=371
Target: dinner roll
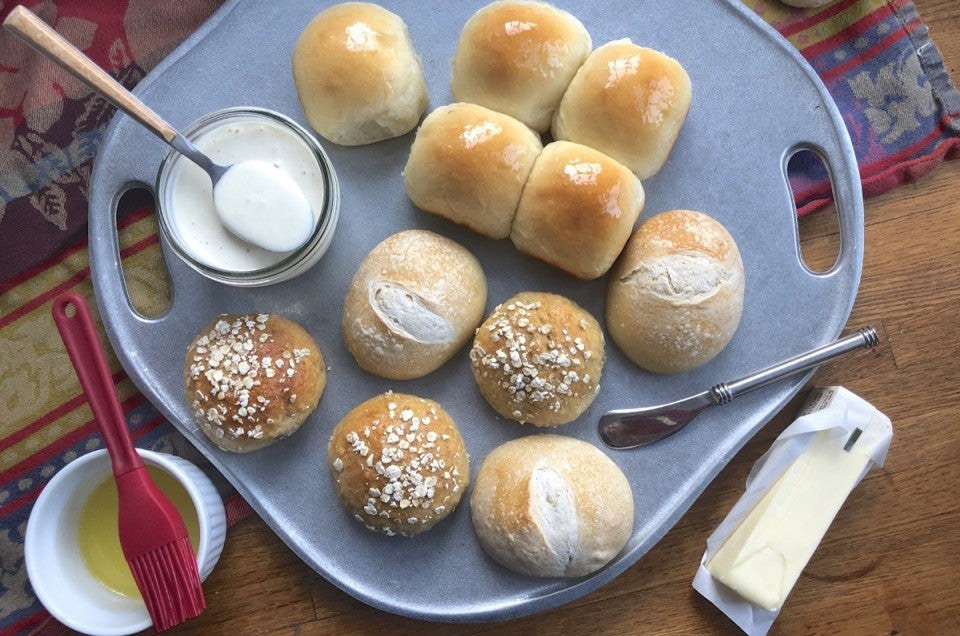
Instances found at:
x=517 y=57
x=577 y=210
x=549 y=505
x=251 y=380
x=627 y=101
x=415 y=300
x=537 y=358
x=675 y=298
x=398 y=463
x=357 y=75
x=468 y=164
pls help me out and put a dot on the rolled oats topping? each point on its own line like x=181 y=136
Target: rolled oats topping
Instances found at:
x=227 y=370
x=397 y=467
x=537 y=364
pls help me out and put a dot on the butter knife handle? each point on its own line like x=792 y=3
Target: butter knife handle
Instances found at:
x=864 y=338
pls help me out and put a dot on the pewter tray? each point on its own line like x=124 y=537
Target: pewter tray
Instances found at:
x=755 y=103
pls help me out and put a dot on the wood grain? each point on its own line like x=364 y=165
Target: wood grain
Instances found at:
x=889 y=564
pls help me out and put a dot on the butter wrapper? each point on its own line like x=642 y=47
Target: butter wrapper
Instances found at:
x=793 y=493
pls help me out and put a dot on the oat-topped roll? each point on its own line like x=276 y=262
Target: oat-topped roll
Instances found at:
x=537 y=358
x=398 y=463
x=251 y=380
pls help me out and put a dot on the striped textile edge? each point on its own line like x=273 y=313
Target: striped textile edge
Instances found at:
x=57 y=426
x=889 y=80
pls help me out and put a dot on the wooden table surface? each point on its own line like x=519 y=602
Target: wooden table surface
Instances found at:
x=890 y=562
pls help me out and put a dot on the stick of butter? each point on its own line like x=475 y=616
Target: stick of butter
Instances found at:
x=793 y=494
x=764 y=556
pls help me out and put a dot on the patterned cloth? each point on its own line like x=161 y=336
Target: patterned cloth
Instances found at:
x=889 y=82
x=875 y=57
x=50 y=129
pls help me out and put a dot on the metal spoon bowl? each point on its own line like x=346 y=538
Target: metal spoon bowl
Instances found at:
x=629 y=428
x=296 y=213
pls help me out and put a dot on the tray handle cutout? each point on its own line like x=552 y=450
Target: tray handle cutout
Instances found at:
x=832 y=233
x=148 y=287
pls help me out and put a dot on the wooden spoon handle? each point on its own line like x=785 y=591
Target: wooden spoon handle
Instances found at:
x=73 y=320
x=44 y=39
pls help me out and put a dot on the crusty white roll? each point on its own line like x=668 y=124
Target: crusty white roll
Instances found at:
x=357 y=74
x=675 y=298
x=577 y=210
x=469 y=164
x=537 y=358
x=415 y=300
x=517 y=57
x=627 y=101
x=398 y=463
x=251 y=380
x=550 y=505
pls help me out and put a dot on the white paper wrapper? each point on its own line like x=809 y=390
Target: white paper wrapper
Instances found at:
x=831 y=408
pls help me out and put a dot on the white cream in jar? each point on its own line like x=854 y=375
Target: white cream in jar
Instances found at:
x=260 y=203
x=187 y=197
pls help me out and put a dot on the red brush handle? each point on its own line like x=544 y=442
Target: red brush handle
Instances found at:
x=80 y=337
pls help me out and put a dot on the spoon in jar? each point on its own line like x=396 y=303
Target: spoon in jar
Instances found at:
x=255 y=200
x=629 y=428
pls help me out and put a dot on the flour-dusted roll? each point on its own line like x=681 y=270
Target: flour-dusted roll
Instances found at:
x=517 y=57
x=251 y=380
x=675 y=298
x=398 y=463
x=577 y=210
x=627 y=101
x=550 y=505
x=469 y=164
x=357 y=74
x=415 y=300
x=537 y=358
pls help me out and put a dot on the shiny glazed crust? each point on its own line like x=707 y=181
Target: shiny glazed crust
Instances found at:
x=398 y=463
x=518 y=57
x=627 y=101
x=253 y=379
x=357 y=75
x=577 y=210
x=469 y=164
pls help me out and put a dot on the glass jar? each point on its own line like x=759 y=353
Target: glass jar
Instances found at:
x=188 y=220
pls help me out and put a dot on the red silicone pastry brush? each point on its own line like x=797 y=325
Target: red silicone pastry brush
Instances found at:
x=152 y=533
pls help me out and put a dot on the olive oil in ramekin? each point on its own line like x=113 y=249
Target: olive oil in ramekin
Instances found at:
x=99 y=537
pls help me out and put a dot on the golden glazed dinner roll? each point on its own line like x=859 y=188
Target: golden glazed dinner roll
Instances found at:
x=415 y=300
x=468 y=164
x=398 y=463
x=577 y=210
x=628 y=102
x=675 y=298
x=549 y=505
x=518 y=57
x=537 y=358
x=251 y=380
x=357 y=75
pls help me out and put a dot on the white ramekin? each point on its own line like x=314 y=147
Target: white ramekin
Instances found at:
x=56 y=570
